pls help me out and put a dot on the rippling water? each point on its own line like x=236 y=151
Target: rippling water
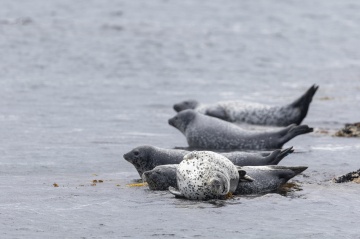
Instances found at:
x=83 y=82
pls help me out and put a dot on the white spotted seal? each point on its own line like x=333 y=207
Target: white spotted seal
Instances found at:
x=205 y=132
x=204 y=175
x=145 y=158
x=267 y=178
x=253 y=113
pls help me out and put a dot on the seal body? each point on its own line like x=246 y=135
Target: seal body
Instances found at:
x=267 y=178
x=205 y=132
x=145 y=158
x=253 y=113
x=205 y=175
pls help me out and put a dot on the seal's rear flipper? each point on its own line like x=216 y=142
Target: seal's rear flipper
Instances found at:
x=216 y=112
x=293 y=132
x=291 y=172
x=243 y=176
x=303 y=102
x=176 y=192
x=284 y=153
x=277 y=155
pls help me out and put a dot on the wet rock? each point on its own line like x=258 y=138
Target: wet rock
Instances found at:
x=353 y=177
x=350 y=130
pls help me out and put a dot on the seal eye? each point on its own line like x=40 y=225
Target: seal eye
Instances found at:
x=136 y=153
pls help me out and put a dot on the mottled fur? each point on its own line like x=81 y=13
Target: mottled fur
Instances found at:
x=204 y=175
x=253 y=113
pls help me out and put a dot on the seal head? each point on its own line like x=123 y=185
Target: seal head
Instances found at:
x=184 y=105
x=182 y=120
x=139 y=157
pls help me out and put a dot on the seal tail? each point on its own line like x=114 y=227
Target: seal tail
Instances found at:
x=303 y=102
x=292 y=131
x=288 y=172
x=279 y=154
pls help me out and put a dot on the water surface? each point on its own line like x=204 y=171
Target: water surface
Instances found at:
x=82 y=83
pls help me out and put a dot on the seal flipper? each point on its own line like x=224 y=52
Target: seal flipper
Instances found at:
x=303 y=103
x=292 y=131
x=277 y=155
x=243 y=176
x=281 y=154
x=291 y=172
x=217 y=112
x=176 y=192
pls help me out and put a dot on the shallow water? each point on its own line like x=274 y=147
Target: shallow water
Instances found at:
x=84 y=82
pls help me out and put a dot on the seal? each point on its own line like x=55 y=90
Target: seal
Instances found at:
x=267 y=178
x=253 y=113
x=146 y=157
x=161 y=177
x=205 y=132
x=204 y=175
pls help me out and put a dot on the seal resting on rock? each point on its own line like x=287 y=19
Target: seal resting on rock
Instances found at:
x=145 y=158
x=266 y=178
x=204 y=175
x=253 y=113
x=205 y=132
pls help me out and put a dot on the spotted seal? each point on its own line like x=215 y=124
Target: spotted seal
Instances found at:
x=253 y=113
x=204 y=175
x=205 y=132
x=266 y=178
x=145 y=158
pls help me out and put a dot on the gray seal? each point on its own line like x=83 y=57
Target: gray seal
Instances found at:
x=145 y=158
x=161 y=177
x=205 y=132
x=204 y=175
x=253 y=113
x=265 y=178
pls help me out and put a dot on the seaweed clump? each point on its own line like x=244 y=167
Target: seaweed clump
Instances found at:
x=350 y=130
x=353 y=176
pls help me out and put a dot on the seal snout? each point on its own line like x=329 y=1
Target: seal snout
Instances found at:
x=177 y=107
x=127 y=157
x=172 y=121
